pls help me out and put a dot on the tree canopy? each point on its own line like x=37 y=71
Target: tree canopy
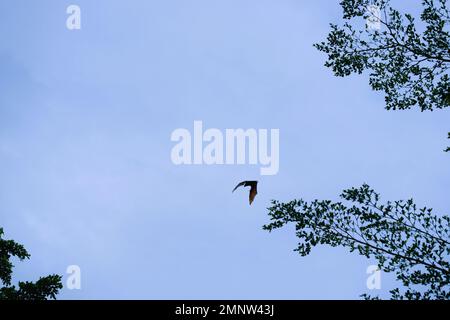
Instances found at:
x=43 y=289
x=410 y=241
x=407 y=59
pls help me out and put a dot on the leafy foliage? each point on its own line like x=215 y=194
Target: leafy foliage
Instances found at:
x=414 y=243
x=448 y=148
x=43 y=289
x=409 y=66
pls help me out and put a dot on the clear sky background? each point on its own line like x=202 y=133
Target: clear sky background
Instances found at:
x=85 y=171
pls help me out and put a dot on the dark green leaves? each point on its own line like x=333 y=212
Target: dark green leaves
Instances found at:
x=9 y=248
x=412 y=242
x=448 y=149
x=44 y=288
x=410 y=67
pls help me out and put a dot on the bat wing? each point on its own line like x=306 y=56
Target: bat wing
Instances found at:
x=251 y=184
x=239 y=185
x=252 y=194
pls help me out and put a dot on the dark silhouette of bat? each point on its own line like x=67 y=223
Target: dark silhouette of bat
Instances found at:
x=253 y=190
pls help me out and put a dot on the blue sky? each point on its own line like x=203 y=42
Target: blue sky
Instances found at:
x=85 y=124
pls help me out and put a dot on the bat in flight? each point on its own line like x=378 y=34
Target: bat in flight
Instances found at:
x=253 y=191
